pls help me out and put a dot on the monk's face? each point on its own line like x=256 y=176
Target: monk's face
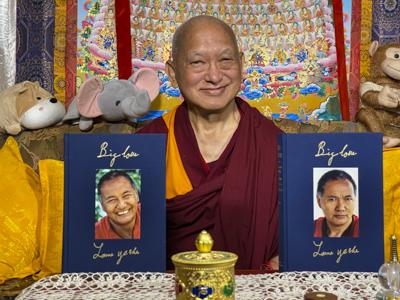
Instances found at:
x=119 y=200
x=208 y=67
x=337 y=202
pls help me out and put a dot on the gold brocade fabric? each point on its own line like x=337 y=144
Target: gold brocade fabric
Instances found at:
x=50 y=225
x=366 y=27
x=19 y=205
x=59 y=49
x=391 y=189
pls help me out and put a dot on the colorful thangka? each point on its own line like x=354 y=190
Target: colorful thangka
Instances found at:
x=289 y=48
x=97 y=45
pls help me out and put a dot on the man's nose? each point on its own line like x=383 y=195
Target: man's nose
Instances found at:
x=341 y=204
x=121 y=203
x=214 y=74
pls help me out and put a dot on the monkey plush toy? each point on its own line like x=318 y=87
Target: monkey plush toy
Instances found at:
x=380 y=97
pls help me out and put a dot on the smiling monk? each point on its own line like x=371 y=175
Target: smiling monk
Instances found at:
x=120 y=201
x=221 y=153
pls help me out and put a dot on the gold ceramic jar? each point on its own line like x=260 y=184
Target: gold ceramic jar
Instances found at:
x=204 y=274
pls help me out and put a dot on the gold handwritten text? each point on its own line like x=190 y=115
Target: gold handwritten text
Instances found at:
x=105 y=152
x=319 y=252
x=123 y=253
x=99 y=254
x=339 y=252
x=120 y=254
x=332 y=154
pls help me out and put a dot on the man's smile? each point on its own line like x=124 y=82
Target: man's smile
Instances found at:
x=121 y=213
x=214 y=91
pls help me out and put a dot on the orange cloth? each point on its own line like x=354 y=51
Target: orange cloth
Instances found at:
x=177 y=180
x=104 y=231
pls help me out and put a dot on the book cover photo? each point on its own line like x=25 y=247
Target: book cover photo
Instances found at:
x=331 y=202
x=114 y=204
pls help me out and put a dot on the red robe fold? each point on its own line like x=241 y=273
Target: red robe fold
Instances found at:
x=233 y=198
x=321 y=228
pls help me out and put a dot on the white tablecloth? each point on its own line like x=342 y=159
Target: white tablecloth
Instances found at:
x=275 y=286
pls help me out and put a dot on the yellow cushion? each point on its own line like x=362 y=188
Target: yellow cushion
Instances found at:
x=391 y=189
x=51 y=174
x=19 y=203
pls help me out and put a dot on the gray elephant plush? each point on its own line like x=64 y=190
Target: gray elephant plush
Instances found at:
x=115 y=100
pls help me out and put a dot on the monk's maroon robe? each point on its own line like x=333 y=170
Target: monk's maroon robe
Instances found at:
x=233 y=198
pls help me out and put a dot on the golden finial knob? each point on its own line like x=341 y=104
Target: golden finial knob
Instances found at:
x=204 y=242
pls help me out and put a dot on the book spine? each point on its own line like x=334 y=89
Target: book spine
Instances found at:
x=282 y=202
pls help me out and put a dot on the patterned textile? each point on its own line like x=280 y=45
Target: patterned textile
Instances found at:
x=366 y=27
x=391 y=189
x=354 y=76
x=35 y=45
x=7 y=43
x=70 y=51
x=289 y=46
x=19 y=214
x=50 y=225
x=59 y=49
x=386 y=21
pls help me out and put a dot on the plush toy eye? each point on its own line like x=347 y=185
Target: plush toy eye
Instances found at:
x=38 y=98
x=396 y=55
x=117 y=103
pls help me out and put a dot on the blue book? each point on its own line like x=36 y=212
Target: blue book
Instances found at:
x=331 y=202
x=114 y=207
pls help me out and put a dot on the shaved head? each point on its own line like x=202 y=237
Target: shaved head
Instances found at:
x=187 y=28
x=206 y=64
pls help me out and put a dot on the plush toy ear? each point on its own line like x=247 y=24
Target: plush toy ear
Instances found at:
x=86 y=99
x=374 y=46
x=147 y=79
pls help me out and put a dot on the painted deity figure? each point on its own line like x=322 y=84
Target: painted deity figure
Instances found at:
x=179 y=16
x=245 y=29
x=228 y=18
x=318 y=10
x=298 y=4
x=148 y=24
x=136 y=23
x=264 y=19
x=165 y=14
x=257 y=30
x=252 y=20
x=308 y=26
x=279 y=18
x=291 y=17
x=153 y=13
x=270 y=30
x=296 y=29
x=272 y=9
x=282 y=29
x=305 y=13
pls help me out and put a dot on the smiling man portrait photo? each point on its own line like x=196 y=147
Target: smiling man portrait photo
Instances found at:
x=119 y=199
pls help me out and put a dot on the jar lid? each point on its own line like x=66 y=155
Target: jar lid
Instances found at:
x=204 y=256
x=320 y=296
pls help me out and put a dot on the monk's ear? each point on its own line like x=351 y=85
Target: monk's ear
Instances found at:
x=319 y=201
x=102 y=204
x=170 y=70
x=241 y=57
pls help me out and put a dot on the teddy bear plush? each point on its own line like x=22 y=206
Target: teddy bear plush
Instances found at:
x=380 y=96
x=26 y=105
